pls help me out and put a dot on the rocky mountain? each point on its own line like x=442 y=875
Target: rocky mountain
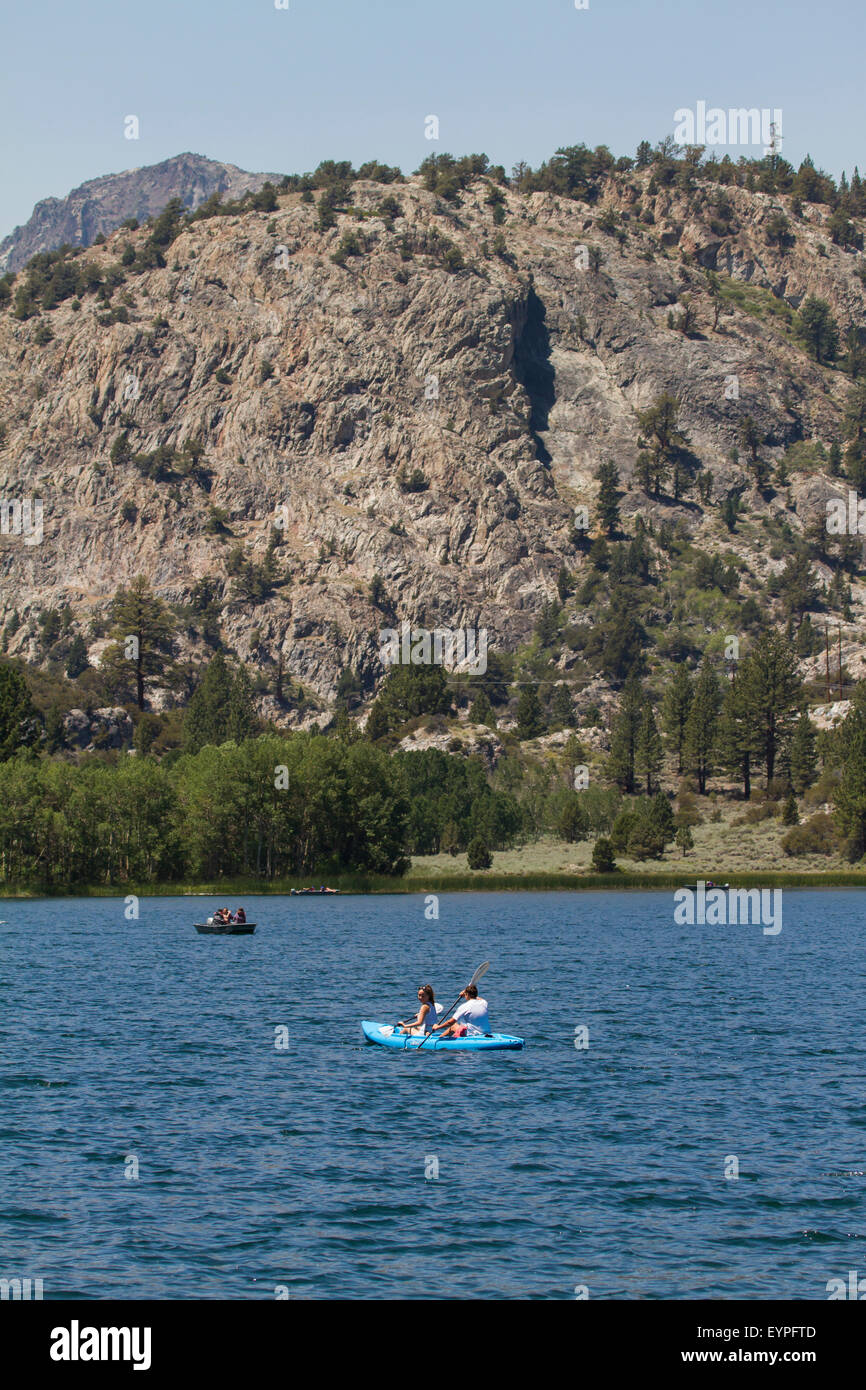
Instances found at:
x=402 y=414
x=99 y=206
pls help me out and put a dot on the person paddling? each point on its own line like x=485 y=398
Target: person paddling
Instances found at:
x=426 y=1016
x=471 y=1018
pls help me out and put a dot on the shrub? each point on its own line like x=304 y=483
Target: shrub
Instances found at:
x=349 y=245
x=764 y=810
x=687 y=807
x=388 y=210
x=603 y=860
x=478 y=856
x=412 y=482
x=817 y=835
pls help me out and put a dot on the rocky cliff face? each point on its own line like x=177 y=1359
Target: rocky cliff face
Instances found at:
x=101 y=205
x=316 y=389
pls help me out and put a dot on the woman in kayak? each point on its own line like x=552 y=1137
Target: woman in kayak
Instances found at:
x=426 y=1016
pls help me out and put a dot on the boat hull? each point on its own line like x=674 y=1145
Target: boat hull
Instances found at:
x=225 y=928
x=384 y=1036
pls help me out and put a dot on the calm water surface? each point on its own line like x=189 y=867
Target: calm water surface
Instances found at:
x=558 y=1167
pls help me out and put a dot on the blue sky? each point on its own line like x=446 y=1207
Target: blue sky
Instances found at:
x=263 y=88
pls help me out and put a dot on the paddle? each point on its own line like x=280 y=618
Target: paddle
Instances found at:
x=482 y=970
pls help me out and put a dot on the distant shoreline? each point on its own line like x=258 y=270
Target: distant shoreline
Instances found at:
x=414 y=885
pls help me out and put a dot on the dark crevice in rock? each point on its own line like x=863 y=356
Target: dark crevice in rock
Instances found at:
x=533 y=370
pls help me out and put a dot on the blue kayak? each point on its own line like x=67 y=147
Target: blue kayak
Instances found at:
x=385 y=1036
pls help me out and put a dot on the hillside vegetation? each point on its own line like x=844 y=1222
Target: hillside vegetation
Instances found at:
x=603 y=410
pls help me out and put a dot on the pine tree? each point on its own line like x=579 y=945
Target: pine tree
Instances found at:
x=481 y=711
x=660 y=815
x=702 y=725
x=205 y=720
x=145 y=633
x=855 y=435
x=804 y=757
x=76 y=657
x=750 y=436
x=530 y=722
x=572 y=824
x=817 y=330
x=18 y=722
x=378 y=723
x=648 y=751
x=644 y=469
x=676 y=704
x=805 y=642
x=562 y=708
x=684 y=839
x=714 y=290
x=738 y=743
x=241 y=720
x=773 y=696
x=607 y=477
x=624 y=737
x=851 y=793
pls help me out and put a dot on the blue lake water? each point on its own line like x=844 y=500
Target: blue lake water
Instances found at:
x=559 y=1167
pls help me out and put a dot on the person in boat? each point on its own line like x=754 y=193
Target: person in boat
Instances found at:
x=222 y=914
x=426 y=1016
x=470 y=1019
x=239 y=916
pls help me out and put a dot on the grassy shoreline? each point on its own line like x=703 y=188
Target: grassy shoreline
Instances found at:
x=419 y=884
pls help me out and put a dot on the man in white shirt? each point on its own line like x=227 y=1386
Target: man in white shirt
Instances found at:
x=470 y=1018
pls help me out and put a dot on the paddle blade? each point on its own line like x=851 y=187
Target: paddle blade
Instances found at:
x=482 y=970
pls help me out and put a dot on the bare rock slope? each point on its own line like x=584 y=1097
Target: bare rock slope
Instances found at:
x=394 y=414
x=99 y=206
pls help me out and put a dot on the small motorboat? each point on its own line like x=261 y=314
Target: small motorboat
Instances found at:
x=312 y=892
x=212 y=928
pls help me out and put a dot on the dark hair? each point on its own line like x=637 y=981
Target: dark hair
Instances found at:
x=472 y=991
x=428 y=989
